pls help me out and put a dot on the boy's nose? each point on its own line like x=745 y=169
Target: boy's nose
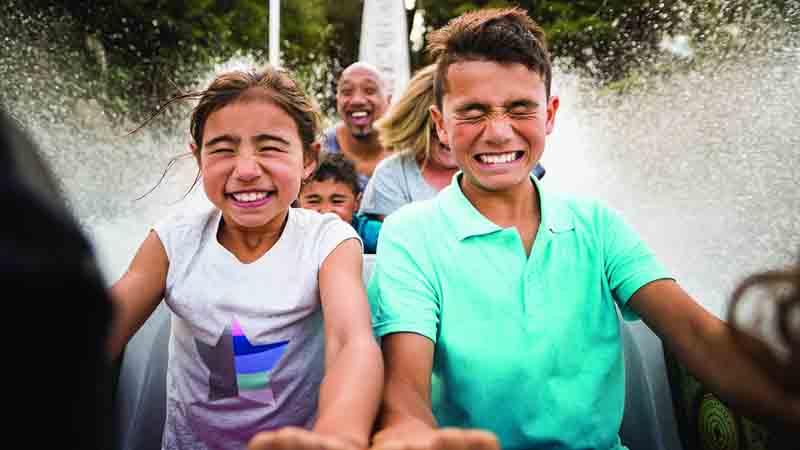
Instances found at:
x=498 y=129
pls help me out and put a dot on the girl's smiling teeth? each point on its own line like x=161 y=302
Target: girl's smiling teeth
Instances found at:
x=247 y=197
x=499 y=158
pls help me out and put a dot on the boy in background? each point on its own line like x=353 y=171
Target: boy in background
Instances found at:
x=334 y=187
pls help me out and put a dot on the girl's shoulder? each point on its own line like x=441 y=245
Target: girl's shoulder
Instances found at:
x=310 y=223
x=316 y=232
x=185 y=224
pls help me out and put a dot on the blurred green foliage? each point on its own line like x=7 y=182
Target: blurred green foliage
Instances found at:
x=136 y=53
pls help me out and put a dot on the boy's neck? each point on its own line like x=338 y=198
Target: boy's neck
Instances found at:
x=518 y=207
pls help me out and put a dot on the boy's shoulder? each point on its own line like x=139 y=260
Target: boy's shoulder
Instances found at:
x=590 y=217
x=414 y=214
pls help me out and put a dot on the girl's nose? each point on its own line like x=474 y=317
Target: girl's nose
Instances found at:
x=247 y=169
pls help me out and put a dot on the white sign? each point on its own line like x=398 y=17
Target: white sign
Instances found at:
x=384 y=41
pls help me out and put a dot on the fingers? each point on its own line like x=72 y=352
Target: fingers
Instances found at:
x=460 y=439
x=293 y=438
x=446 y=439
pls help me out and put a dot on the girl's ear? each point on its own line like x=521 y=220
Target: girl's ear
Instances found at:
x=310 y=160
x=195 y=151
x=308 y=169
x=358 y=201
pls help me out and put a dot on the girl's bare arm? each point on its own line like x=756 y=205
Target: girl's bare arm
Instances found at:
x=137 y=293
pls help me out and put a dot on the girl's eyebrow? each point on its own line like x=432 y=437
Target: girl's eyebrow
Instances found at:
x=222 y=138
x=270 y=137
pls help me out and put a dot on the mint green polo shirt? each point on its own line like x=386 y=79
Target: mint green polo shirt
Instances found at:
x=527 y=347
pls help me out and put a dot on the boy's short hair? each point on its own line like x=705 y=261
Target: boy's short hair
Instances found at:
x=338 y=168
x=504 y=36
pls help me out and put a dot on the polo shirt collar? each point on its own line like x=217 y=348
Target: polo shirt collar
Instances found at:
x=468 y=221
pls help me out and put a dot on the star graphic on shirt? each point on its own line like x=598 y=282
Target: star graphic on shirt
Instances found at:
x=237 y=368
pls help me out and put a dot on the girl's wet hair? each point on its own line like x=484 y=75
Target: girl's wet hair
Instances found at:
x=784 y=286
x=267 y=84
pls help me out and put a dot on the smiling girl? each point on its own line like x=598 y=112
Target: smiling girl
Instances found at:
x=270 y=331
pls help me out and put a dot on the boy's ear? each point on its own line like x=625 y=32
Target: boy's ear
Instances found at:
x=552 y=108
x=438 y=121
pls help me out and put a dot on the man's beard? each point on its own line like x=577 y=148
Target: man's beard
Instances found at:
x=361 y=133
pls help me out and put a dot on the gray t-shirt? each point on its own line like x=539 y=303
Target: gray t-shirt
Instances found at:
x=397 y=180
x=246 y=352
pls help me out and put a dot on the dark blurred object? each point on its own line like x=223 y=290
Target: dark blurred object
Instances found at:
x=57 y=373
x=708 y=423
x=538 y=171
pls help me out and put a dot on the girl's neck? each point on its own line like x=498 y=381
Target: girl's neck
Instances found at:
x=248 y=244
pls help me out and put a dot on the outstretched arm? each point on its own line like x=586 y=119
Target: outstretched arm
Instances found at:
x=708 y=348
x=406 y=408
x=406 y=419
x=351 y=389
x=138 y=292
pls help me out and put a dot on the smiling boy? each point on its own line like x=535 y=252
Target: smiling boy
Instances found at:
x=509 y=297
x=334 y=187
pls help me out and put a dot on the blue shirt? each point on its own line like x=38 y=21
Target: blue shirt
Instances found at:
x=368 y=229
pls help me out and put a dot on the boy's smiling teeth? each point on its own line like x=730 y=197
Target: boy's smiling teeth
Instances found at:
x=249 y=196
x=497 y=158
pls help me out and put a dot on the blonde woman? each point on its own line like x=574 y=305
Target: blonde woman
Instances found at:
x=421 y=166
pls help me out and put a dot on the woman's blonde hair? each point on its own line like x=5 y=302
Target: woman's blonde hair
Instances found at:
x=407 y=126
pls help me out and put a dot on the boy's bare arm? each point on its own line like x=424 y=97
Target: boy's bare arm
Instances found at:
x=406 y=420
x=138 y=292
x=406 y=408
x=707 y=347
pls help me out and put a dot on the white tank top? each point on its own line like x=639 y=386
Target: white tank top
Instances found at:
x=246 y=352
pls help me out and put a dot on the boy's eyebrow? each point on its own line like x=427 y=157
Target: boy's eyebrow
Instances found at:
x=471 y=105
x=523 y=102
x=338 y=196
x=222 y=138
x=312 y=196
